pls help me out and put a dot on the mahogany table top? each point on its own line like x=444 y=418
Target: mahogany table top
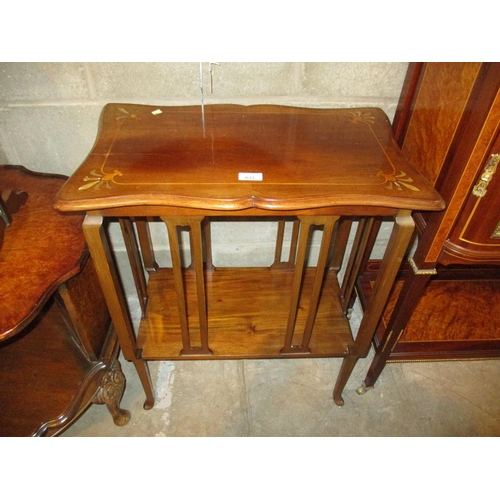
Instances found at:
x=233 y=158
x=41 y=249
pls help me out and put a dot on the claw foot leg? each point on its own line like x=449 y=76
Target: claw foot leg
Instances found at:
x=110 y=393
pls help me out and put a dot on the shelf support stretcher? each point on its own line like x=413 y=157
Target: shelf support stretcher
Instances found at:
x=306 y=223
x=134 y=258
x=354 y=264
x=195 y=227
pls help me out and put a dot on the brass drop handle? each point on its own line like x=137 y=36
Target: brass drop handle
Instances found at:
x=489 y=169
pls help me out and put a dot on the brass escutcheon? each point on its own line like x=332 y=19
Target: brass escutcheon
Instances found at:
x=489 y=169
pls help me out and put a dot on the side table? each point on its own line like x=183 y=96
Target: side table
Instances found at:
x=184 y=166
x=58 y=353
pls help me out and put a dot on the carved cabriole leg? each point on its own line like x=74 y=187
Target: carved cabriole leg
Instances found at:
x=394 y=254
x=99 y=248
x=194 y=225
x=110 y=393
x=413 y=288
x=306 y=223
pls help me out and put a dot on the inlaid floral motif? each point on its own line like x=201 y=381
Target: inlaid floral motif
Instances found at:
x=398 y=181
x=125 y=114
x=361 y=117
x=96 y=180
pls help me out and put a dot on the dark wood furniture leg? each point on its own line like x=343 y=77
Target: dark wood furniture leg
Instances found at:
x=110 y=393
x=395 y=251
x=413 y=289
x=98 y=244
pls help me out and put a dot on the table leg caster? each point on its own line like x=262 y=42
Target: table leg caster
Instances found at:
x=362 y=389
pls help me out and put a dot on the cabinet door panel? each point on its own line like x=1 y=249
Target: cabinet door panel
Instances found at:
x=437 y=111
x=476 y=235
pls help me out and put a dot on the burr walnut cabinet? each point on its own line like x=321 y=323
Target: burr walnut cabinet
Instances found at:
x=57 y=351
x=184 y=166
x=445 y=304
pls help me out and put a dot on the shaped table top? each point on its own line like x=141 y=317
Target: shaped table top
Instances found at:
x=232 y=157
x=42 y=248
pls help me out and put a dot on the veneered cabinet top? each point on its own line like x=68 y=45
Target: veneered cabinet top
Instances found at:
x=197 y=158
x=41 y=249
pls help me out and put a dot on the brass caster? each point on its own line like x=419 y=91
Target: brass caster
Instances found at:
x=363 y=389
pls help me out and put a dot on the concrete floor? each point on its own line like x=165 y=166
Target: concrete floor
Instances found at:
x=294 y=398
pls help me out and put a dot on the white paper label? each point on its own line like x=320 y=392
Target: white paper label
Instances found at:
x=249 y=176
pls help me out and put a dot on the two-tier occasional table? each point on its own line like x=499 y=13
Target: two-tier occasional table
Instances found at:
x=58 y=354
x=315 y=169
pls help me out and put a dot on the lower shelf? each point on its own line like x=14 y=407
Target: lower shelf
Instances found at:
x=247 y=315
x=42 y=374
x=454 y=319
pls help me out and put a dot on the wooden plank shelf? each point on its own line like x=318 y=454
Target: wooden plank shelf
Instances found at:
x=247 y=312
x=446 y=323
